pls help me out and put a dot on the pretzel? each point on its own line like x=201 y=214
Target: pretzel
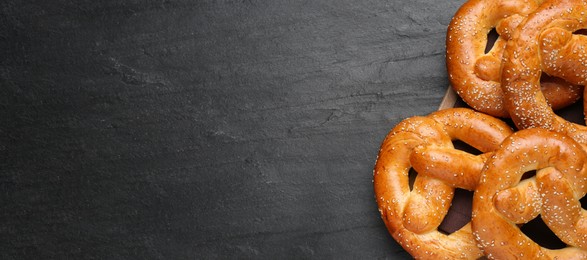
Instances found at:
x=474 y=74
x=412 y=216
x=521 y=68
x=553 y=193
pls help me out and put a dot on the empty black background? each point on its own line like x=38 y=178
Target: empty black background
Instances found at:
x=179 y=129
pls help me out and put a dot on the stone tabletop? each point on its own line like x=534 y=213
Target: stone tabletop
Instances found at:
x=177 y=129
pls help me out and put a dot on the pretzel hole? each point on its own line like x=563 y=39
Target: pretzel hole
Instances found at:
x=528 y=175
x=491 y=38
x=570 y=113
x=460 y=145
x=583 y=202
x=412 y=178
x=459 y=213
x=540 y=233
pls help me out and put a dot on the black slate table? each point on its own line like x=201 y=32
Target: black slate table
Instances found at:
x=178 y=129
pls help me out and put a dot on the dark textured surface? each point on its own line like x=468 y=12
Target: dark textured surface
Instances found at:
x=188 y=129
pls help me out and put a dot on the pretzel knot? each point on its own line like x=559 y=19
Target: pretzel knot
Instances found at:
x=475 y=75
x=413 y=215
x=545 y=42
x=502 y=201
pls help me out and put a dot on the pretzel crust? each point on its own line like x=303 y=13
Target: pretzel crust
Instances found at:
x=412 y=216
x=474 y=74
x=521 y=68
x=559 y=182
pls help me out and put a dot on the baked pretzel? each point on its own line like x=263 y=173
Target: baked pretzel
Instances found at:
x=521 y=67
x=501 y=201
x=413 y=215
x=474 y=74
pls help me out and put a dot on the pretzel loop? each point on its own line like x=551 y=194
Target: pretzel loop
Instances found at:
x=562 y=210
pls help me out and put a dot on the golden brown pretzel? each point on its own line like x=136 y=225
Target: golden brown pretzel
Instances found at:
x=554 y=193
x=474 y=74
x=412 y=216
x=521 y=67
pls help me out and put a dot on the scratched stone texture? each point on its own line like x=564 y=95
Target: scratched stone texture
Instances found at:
x=178 y=129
